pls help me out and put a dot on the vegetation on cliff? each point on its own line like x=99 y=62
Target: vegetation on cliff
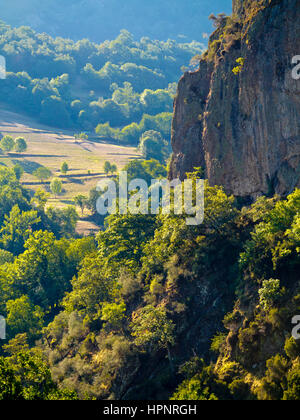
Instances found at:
x=131 y=314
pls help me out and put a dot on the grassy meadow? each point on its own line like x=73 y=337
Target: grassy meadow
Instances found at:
x=50 y=148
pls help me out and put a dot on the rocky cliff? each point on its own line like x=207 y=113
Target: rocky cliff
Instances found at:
x=238 y=115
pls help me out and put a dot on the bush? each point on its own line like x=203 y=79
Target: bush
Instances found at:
x=19 y=171
x=42 y=173
x=20 y=145
x=56 y=186
x=64 y=168
x=218 y=342
x=113 y=313
x=292 y=348
x=269 y=293
x=153 y=146
x=293 y=385
x=7 y=144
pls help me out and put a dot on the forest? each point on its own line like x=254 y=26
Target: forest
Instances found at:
x=102 y=317
x=82 y=85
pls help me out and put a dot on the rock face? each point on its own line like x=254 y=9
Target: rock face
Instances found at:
x=243 y=127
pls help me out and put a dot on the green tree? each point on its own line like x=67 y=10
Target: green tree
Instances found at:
x=146 y=170
x=23 y=317
x=7 y=144
x=113 y=313
x=151 y=326
x=41 y=272
x=17 y=344
x=269 y=293
x=56 y=186
x=17 y=228
x=81 y=136
x=79 y=249
x=42 y=173
x=54 y=112
x=105 y=130
x=26 y=376
x=93 y=286
x=6 y=257
x=11 y=193
x=158 y=101
x=10 y=386
x=292 y=393
x=19 y=171
x=92 y=200
x=107 y=167
x=273 y=384
x=64 y=168
x=81 y=201
x=63 y=221
x=20 y=145
x=40 y=199
x=113 y=168
x=125 y=237
x=153 y=146
x=204 y=386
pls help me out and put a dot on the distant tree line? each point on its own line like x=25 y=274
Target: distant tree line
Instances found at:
x=80 y=85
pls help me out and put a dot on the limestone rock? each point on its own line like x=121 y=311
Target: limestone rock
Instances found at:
x=244 y=128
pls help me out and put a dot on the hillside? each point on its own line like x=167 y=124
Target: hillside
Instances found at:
x=125 y=87
x=49 y=148
x=100 y=20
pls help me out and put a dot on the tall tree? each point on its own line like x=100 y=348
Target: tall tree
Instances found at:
x=20 y=145
x=64 y=168
x=81 y=201
x=42 y=174
x=56 y=186
x=7 y=144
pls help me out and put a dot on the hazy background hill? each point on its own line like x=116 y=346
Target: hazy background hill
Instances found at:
x=103 y=19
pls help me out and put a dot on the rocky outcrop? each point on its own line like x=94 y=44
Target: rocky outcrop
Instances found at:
x=243 y=127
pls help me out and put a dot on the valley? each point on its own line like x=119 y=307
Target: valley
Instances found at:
x=49 y=147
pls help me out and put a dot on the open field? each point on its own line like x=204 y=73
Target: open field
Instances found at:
x=51 y=147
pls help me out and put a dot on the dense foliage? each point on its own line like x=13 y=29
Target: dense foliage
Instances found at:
x=259 y=358
x=110 y=315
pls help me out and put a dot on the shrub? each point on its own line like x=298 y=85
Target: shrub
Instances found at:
x=64 y=168
x=56 y=186
x=218 y=342
x=7 y=144
x=20 y=145
x=269 y=293
x=42 y=173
